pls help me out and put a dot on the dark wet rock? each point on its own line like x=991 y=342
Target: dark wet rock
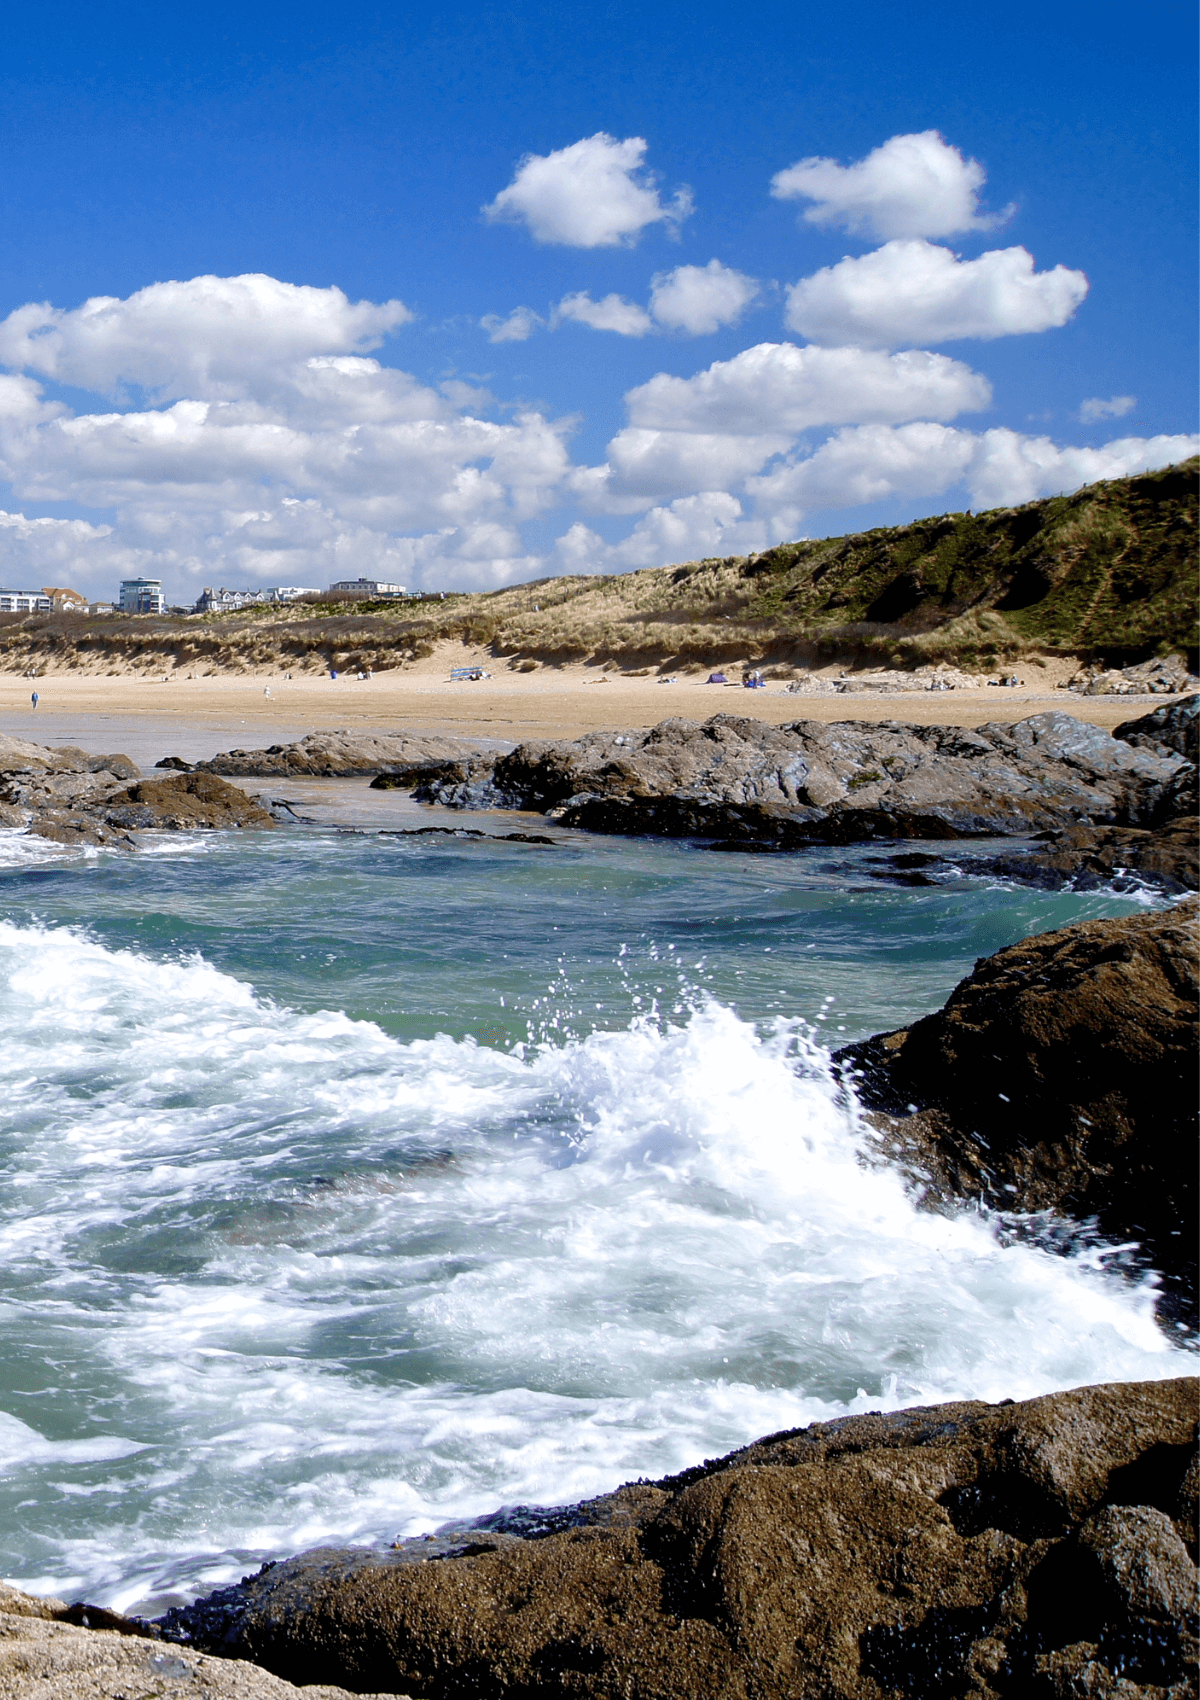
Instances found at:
x=331 y=755
x=467 y=832
x=1075 y=858
x=741 y=780
x=1084 y=858
x=990 y=1551
x=193 y=800
x=1176 y=726
x=1060 y=1076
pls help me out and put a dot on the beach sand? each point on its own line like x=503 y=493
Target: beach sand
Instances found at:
x=147 y=718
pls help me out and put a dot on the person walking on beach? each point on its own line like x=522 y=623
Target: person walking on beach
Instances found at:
x=34 y=698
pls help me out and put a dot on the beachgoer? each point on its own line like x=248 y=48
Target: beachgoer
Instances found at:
x=34 y=699
x=266 y=690
x=333 y=672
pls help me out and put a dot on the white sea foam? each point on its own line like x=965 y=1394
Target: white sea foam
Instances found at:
x=295 y=1281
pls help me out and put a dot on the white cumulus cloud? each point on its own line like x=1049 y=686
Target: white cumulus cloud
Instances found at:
x=700 y=299
x=998 y=468
x=38 y=552
x=613 y=313
x=217 y=337
x=518 y=327
x=777 y=387
x=1116 y=407
x=594 y=194
x=656 y=465
x=710 y=523
x=914 y=291
x=282 y=464
x=914 y=185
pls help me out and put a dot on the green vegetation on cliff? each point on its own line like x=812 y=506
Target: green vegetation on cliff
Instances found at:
x=1107 y=572
x=1111 y=568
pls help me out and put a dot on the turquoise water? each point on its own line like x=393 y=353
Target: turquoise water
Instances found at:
x=353 y=1183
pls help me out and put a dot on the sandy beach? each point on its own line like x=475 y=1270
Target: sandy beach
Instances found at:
x=148 y=718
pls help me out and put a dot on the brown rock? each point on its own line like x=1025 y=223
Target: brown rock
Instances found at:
x=78 y=830
x=926 y=1555
x=45 y=1660
x=1059 y=1076
x=190 y=801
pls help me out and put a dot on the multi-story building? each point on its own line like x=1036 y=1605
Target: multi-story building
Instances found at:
x=25 y=602
x=366 y=588
x=142 y=596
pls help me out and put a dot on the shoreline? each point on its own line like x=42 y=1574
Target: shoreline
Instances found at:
x=197 y=719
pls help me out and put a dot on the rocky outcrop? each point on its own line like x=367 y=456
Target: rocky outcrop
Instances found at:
x=48 y=1653
x=75 y=799
x=963 y=1550
x=193 y=800
x=1175 y=726
x=1161 y=677
x=1060 y=1076
x=331 y=755
x=810 y=782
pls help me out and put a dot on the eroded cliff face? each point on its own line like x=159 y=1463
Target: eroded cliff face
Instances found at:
x=1040 y=1549
x=1060 y=1076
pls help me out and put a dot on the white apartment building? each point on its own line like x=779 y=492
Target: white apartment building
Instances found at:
x=142 y=596
x=25 y=602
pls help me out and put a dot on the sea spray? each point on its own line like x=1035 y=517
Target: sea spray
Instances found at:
x=274 y=1277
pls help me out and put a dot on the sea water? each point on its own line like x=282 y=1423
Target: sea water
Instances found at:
x=356 y=1183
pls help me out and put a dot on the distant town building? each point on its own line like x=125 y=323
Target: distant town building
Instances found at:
x=142 y=596
x=366 y=588
x=219 y=601
x=65 y=601
x=25 y=602
x=212 y=601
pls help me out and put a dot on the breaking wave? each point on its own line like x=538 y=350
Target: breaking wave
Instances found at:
x=275 y=1278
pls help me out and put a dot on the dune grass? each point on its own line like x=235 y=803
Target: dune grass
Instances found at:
x=1109 y=572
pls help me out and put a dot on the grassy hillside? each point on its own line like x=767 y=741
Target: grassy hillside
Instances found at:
x=1108 y=572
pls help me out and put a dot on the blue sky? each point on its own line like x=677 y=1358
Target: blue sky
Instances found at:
x=642 y=352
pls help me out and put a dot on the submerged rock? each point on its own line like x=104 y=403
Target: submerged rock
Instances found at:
x=1060 y=1076
x=739 y=779
x=955 y=1550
